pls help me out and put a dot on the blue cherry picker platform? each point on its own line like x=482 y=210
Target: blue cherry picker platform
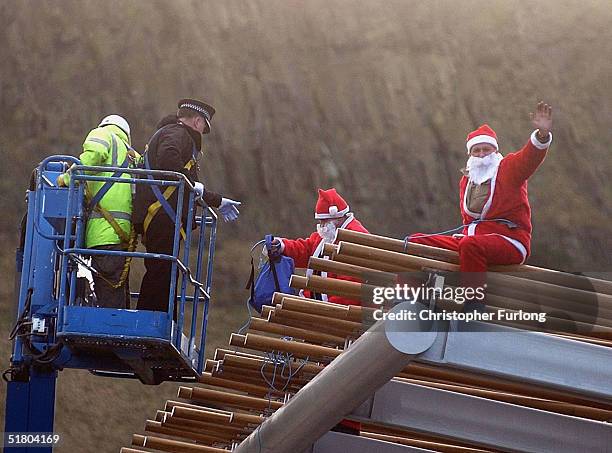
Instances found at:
x=57 y=327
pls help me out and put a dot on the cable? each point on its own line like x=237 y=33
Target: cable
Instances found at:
x=46 y=357
x=6 y=372
x=511 y=225
x=248 y=305
x=247 y=324
x=21 y=321
x=284 y=359
x=277 y=358
x=55 y=350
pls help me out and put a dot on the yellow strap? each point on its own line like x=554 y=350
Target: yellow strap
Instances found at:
x=123 y=236
x=128 y=240
x=155 y=207
x=126 y=266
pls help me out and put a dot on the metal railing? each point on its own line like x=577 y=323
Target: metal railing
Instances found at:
x=70 y=245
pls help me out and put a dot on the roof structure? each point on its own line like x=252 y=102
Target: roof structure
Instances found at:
x=504 y=385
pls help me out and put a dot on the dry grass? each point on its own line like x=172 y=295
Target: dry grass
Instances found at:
x=372 y=97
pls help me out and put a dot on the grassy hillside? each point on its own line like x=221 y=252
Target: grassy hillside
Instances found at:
x=372 y=97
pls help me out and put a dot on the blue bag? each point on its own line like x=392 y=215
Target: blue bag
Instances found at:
x=273 y=277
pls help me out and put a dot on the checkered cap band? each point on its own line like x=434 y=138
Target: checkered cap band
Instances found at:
x=197 y=108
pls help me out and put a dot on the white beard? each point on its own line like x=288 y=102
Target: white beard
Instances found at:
x=482 y=169
x=327 y=232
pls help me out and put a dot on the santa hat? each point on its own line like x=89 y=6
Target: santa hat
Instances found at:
x=330 y=205
x=484 y=134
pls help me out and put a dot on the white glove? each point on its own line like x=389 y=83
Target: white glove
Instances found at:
x=198 y=189
x=229 y=210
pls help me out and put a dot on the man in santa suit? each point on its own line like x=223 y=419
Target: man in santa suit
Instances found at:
x=331 y=213
x=493 y=198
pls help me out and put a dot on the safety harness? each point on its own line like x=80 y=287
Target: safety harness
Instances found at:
x=162 y=198
x=128 y=240
x=93 y=204
x=510 y=224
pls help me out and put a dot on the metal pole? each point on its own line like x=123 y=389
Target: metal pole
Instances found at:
x=209 y=274
x=174 y=269
x=186 y=251
x=196 y=291
x=79 y=240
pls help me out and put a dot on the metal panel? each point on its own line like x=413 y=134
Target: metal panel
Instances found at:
x=528 y=356
x=334 y=442
x=114 y=322
x=486 y=422
x=30 y=407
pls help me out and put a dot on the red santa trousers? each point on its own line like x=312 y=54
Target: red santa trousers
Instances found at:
x=475 y=252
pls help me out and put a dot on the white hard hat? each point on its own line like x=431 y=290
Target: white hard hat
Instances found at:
x=118 y=121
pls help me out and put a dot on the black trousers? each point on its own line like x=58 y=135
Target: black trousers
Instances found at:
x=155 y=286
x=109 y=269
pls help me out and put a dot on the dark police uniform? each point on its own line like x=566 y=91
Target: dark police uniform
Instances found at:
x=174 y=147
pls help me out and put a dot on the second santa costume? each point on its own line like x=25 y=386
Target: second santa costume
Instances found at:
x=497 y=228
x=330 y=205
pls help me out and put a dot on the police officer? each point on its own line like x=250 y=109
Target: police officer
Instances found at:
x=175 y=146
x=109 y=209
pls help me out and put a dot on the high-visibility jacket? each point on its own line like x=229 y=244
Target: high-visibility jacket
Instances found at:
x=107 y=146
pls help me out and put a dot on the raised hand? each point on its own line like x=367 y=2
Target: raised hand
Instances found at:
x=542 y=119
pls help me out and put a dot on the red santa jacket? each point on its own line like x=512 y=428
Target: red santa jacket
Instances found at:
x=508 y=197
x=302 y=249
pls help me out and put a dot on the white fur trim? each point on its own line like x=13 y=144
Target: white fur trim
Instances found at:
x=318 y=253
x=481 y=139
x=517 y=244
x=332 y=215
x=471 y=229
x=520 y=247
x=537 y=143
x=282 y=245
x=348 y=220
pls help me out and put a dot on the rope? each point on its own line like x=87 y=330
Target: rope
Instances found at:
x=251 y=282
x=508 y=223
x=247 y=324
x=126 y=266
x=128 y=261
